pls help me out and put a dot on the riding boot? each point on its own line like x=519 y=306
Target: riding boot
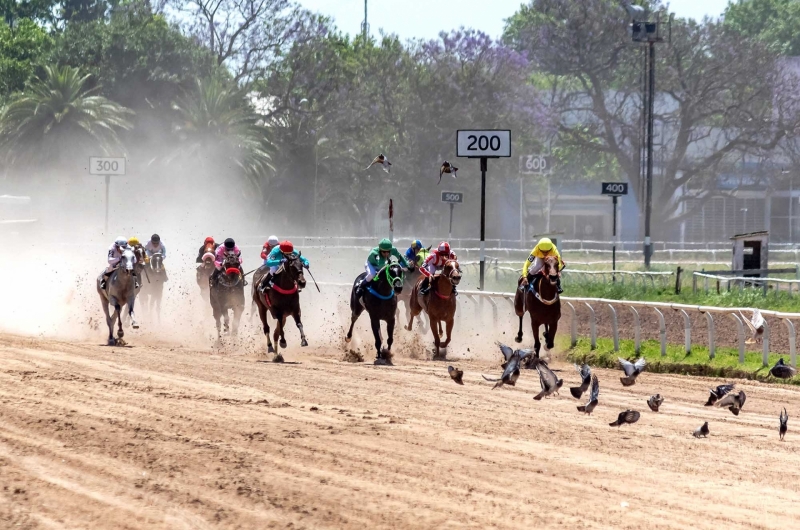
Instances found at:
x=266 y=283
x=104 y=281
x=425 y=287
x=558 y=286
x=360 y=288
x=534 y=282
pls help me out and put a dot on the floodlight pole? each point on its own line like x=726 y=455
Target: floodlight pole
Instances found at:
x=484 y=164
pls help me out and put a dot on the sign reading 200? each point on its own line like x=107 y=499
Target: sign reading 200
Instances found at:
x=483 y=142
x=488 y=143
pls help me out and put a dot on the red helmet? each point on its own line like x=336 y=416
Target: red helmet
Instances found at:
x=209 y=239
x=286 y=246
x=444 y=248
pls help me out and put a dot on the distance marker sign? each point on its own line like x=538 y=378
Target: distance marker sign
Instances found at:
x=452 y=197
x=614 y=188
x=491 y=143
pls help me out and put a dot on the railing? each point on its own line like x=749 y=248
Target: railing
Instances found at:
x=743 y=281
x=664 y=277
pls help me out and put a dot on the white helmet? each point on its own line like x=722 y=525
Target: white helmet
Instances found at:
x=273 y=241
x=121 y=241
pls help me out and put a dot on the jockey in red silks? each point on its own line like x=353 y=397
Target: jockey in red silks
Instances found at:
x=434 y=264
x=271 y=243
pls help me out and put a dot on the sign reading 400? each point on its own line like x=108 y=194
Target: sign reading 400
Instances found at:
x=491 y=143
x=614 y=188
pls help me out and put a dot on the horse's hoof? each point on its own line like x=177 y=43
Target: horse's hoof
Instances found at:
x=517 y=339
x=283 y=343
x=304 y=342
x=112 y=341
x=348 y=339
x=278 y=358
x=135 y=325
x=120 y=334
x=270 y=349
x=382 y=362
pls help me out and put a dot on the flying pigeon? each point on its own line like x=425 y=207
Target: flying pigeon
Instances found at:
x=628 y=416
x=655 y=402
x=511 y=366
x=784 y=421
x=586 y=379
x=718 y=393
x=448 y=168
x=701 y=431
x=782 y=371
x=734 y=402
x=382 y=160
x=756 y=325
x=508 y=353
x=589 y=407
x=456 y=374
x=550 y=383
x=632 y=370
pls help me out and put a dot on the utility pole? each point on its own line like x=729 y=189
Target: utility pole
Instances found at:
x=364 y=27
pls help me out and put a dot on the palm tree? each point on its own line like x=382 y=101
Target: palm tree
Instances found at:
x=57 y=116
x=216 y=124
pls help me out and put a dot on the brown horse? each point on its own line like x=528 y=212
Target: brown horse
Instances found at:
x=544 y=306
x=282 y=300
x=439 y=303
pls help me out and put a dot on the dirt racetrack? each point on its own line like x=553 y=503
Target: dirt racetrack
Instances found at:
x=159 y=437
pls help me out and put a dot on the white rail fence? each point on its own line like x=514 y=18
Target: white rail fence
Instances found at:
x=764 y=284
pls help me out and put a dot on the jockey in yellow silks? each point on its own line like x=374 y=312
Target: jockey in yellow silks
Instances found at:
x=535 y=262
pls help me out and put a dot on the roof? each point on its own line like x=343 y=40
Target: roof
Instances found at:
x=751 y=234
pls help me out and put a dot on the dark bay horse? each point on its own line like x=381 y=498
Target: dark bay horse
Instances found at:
x=153 y=284
x=120 y=291
x=411 y=278
x=227 y=294
x=544 y=306
x=380 y=301
x=439 y=303
x=282 y=300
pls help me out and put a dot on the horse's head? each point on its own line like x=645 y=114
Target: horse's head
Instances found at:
x=452 y=271
x=550 y=269
x=127 y=260
x=294 y=267
x=208 y=260
x=157 y=262
x=394 y=274
x=231 y=260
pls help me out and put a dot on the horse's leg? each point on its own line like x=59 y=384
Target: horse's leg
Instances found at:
x=262 y=314
x=118 y=314
x=297 y=315
x=109 y=321
x=237 y=316
x=436 y=338
x=354 y=314
x=551 y=335
x=449 y=328
x=537 y=345
x=389 y=331
x=518 y=338
x=376 y=333
x=279 y=319
x=283 y=331
x=131 y=314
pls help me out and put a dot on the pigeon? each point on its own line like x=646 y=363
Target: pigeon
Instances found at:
x=448 y=168
x=586 y=379
x=628 y=416
x=524 y=355
x=632 y=370
x=701 y=431
x=734 y=402
x=756 y=325
x=550 y=383
x=718 y=393
x=511 y=366
x=456 y=374
x=654 y=402
x=589 y=407
x=784 y=421
x=382 y=160
x=782 y=371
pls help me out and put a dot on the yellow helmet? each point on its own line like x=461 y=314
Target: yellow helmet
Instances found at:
x=545 y=245
x=133 y=241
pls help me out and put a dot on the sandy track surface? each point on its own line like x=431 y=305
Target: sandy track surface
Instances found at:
x=153 y=437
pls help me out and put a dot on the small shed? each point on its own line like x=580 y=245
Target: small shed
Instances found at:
x=750 y=251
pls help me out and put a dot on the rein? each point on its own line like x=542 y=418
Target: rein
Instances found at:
x=390 y=280
x=542 y=300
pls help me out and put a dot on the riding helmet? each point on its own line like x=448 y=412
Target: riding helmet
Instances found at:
x=209 y=240
x=444 y=248
x=273 y=241
x=417 y=244
x=287 y=247
x=230 y=243
x=133 y=241
x=121 y=241
x=545 y=245
x=155 y=238
x=385 y=245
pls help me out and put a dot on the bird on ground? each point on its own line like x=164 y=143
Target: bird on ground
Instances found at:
x=380 y=160
x=511 y=366
x=718 y=393
x=550 y=383
x=448 y=168
x=782 y=371
x=586 y=380
x=628 y=416
x=632 y=370
x=756 y=325
x=734 y=402
x=508 y=353
x=593 y=397
x=655 y=402
x=456 y=374
x=784 y=423
x=701 y=431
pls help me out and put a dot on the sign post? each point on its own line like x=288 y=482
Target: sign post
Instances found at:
x=483 y=144
x=452 y=197
x=106 y=167
x=540 y=164
x=614 y=189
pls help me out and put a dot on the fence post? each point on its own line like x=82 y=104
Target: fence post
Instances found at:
x=792 y=336
x=637 y=330
x=694 y=283
x=573 y=326
x=740 y=329
x=592 y=326
x=712 y=347
x=687 y=331
x=614 y=327
x=662 y=330
x=765 y=351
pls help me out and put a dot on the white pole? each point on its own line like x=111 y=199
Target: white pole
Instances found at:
x=108 y=183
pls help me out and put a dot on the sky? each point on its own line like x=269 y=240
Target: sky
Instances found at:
x=426 y=18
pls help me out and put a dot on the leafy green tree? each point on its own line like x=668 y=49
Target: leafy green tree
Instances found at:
x=38 y=10
x=22 y=47
x=57 y=116
x=774 y=22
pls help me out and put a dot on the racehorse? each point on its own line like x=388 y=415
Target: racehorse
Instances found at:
x=439 y=303
x=282 y=300
x=153 y=286
x=544 y=306
x=120 y=291
x=412 y=277
x=226 y=293
x=380 y=301
x=204 y=272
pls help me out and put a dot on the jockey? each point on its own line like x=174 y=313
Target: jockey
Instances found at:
x=114 y=254
x=208 y=246
x=228 y=246
x=412 y=252
x=378 y=259
x=434 y=264
x=275 y=259
x=271 y=243
x=155 y=246
x=535 y=262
